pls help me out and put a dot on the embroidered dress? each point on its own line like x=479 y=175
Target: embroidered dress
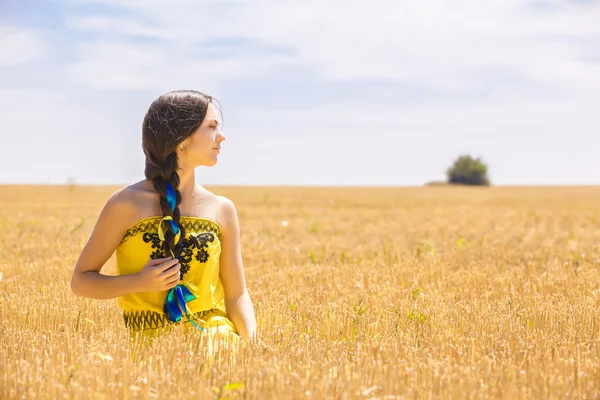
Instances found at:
x=199 y=255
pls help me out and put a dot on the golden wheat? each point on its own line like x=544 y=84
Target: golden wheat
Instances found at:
x=436 y=292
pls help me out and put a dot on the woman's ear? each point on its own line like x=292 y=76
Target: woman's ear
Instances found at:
x=183 y=145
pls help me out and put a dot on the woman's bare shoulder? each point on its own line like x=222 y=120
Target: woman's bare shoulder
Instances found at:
x=214 y=198
x=131 y=203
x=220 y=206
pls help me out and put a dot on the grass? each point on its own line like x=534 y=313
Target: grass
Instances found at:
x=387 y=293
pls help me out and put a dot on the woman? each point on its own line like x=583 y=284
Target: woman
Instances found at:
x=177 y=244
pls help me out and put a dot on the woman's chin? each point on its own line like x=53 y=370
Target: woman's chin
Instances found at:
x=209 y=161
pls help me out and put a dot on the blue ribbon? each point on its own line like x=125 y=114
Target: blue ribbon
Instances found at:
x=171 y=197
x=172 y=202
x=177 y=298
x=176 y=304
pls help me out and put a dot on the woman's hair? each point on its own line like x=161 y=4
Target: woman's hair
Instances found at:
x=171 y=118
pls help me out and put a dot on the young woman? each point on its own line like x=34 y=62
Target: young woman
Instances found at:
x=177 y=244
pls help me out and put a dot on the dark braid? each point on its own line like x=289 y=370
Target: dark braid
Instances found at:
x=171 y=119
x=160 y=178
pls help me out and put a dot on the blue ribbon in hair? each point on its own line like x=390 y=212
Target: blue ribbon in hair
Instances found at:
x=176 y=304
x=177 y=298
x=171 y=197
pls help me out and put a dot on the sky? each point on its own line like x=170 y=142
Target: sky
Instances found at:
x=312 y=92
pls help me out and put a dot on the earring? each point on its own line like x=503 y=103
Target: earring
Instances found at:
x=183 y=147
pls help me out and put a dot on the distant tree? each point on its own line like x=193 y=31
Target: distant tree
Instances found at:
x=467 y=170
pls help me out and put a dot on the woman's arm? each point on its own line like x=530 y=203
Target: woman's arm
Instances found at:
x=237 y=300
x=113 y=222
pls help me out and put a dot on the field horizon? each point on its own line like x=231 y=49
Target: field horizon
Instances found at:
x=432 y=184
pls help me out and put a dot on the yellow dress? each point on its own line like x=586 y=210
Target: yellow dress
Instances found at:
x=199 y=259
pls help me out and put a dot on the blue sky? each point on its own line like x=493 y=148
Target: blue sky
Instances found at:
x=313 y=92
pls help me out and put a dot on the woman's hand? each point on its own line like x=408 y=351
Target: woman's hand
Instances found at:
x=158 y=275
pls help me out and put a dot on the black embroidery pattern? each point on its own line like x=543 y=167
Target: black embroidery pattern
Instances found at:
x=191 y=224
x=197 y=242
x=202 y=240
x=185 y=258
x=156 y=244
x=194 y=246
x=146 y=319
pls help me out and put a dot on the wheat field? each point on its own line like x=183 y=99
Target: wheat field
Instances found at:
x=360 y=293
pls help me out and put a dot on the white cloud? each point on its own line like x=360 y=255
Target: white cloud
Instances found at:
x=19 y=45
x=95 y=23
x=431 y=41
x=105 y=65
x=117 y=66
x=115 y=26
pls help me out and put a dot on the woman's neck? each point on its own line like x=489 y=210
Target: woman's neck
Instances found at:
x=187 y=182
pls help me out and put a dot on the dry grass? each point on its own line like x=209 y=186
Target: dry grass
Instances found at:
x=436 y=292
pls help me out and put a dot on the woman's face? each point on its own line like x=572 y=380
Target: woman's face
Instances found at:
x=202 y=147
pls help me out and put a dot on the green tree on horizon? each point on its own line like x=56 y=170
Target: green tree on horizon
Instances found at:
x=467 y=170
